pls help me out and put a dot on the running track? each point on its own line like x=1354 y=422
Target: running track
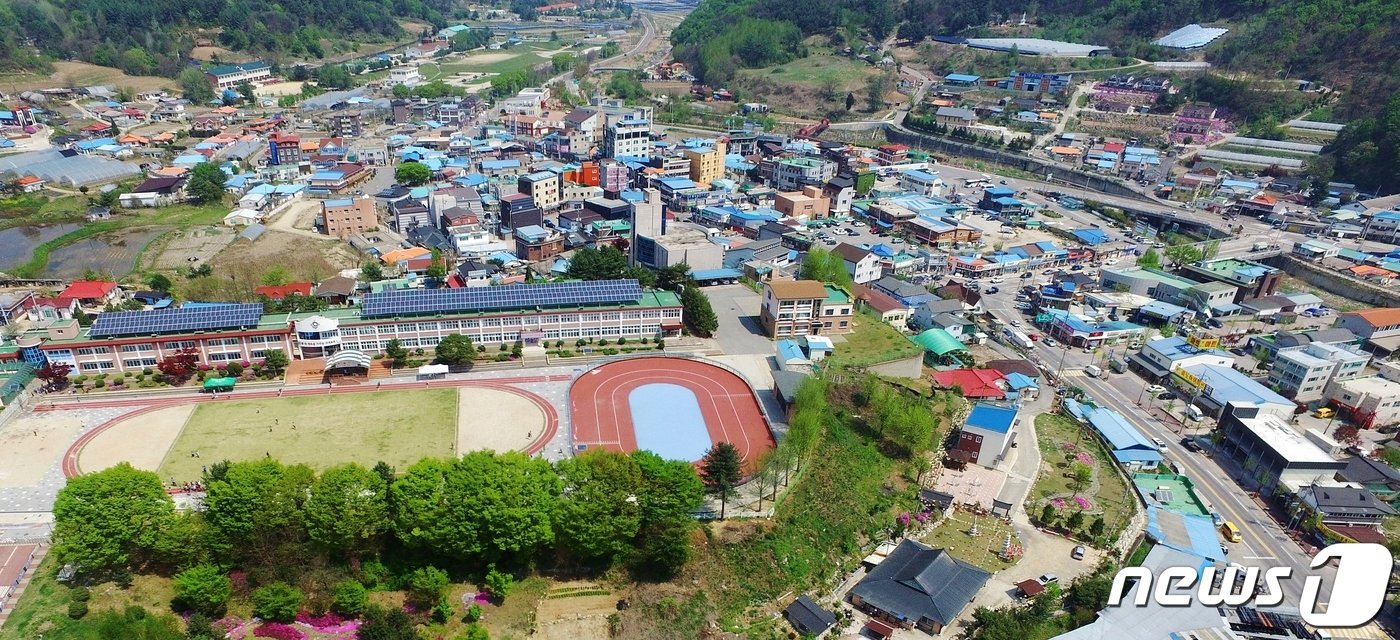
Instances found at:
x=149 y=404
x=602 y=417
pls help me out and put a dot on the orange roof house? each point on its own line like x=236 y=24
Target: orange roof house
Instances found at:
x=402 y=255
x=279 y=292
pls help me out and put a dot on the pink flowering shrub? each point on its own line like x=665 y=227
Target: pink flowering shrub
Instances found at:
x=903 y=519
x=1084 y=503
x=1059 y=503
x=1084 y=458
x=325 y=620
x=227 y=624
x=278 y=631
x=1068 y=446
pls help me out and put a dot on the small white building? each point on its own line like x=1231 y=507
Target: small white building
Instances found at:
x=924 y=183
x=406 y=75
x=986 y=435
x=242 y=218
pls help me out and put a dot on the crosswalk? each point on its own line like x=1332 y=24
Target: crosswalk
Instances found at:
x=1073 y=373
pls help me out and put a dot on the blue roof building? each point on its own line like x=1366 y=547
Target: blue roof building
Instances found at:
x=1129 y=446
x=985 y=436
x=1090 y=237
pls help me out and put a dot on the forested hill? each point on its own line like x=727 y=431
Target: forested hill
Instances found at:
x=145 y=37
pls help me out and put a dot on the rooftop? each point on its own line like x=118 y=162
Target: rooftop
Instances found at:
x=1225 y=385
x=1377 y=317
x=991 y=418
x=1284 y=440
x=798 y=289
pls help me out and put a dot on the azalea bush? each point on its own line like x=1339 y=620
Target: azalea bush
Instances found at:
x=278 y=631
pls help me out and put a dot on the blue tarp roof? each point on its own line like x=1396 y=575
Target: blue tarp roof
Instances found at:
x=1019 y=381
x=961 y=77
x=715 y=274
x=1090 y=236
x=789 y=350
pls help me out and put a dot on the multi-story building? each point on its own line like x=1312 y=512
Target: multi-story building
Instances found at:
x=804 y=307
x=809 y=203
x=707 y=164
x=343 y=217
x=862 y=264
x=1158 y=358
x=229 y=76
x=283 y=148
x=892 y=154
x=985 y=436
x=791 y=174
x=406 y=75
x=519 y=210
x=534 y=243
x=1152 y=283
x=1255 y=280
x=346 y=124
x=1275 y=454
x=679 y=244
x=1302 y=373
x=924 y=183
x=1366 y=402
x=1380 y=327
x=543 y=188
x=418 y=318
x=408 y=214
x=841 y=190
x=627 y=138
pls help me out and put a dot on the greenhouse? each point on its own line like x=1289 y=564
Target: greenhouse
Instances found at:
x=70 y=171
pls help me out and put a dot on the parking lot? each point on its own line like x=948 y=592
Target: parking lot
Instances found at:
x=739 y=331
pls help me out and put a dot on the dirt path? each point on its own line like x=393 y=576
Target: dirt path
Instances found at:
x=287 y=219
x=143 y=440
x=496 y=420
x=30 y=445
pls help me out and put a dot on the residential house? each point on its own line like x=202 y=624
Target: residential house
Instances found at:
x=985 y=436
x=1381 y=479
x=336 y=290
x=791 y=174
x=908 y=293
x=955 y=116
x=534 y=243
x=1345 y=506
x=1379 y=327
x=803 y=307
x=938 y=313
x=1254 y=279
x=808 y=618
x=891 y=311
x=841 y=191
x=924 y=183
x=1367 y=402
x=1302 y=373
x=92 y=293
x=155 y=192
x=918 y=586
x=862 y=264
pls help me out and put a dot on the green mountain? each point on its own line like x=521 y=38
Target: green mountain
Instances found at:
x=1352 y=46
x=149 y=36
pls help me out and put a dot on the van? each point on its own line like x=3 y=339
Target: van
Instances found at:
x=1325 y=412
x=1093 y=371
x=1193 y=412
x=1230 y=531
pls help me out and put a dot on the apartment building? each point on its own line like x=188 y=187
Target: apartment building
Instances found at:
x=809 y=203
x=345 y=216
x=1302 y=373
x=1366 y=402
x=805 y=307
x=707 y=165
x=627 y=138
x=791 y=174
x=543 y=187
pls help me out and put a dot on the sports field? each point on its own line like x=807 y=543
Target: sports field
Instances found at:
x=399 y=427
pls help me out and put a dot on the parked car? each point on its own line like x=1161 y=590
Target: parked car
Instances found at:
x=1191 y=444
x=1156 y=389
x=1047 y=578
x=1050 y=342
x=992 y=290
x=1161 y=445
x=1214 y=323
x=1078 y=553
x=1166 y=396
x=1239 y=351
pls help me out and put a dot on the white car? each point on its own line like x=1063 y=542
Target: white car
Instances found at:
x=1159 y=245
x=997 y=280
x=1050 y=342
x=1161 y=446
x=1156 y=389
x=1015 y=323
x=1111 y=261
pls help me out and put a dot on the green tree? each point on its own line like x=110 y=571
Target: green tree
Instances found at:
x=825 y=266
x=396 y=353
x=483 y=505
x=608 y=263
x=1150 y=259
x=1183 y=254
x=349 y=598
x=276 y=276
x=386 y=624
x=455 y=349
x=257 y=505
x=204 y=589
x=425 y=585
x=722 y=469
x=437 y=271
x=672 y=492
x=333 y=76
x=277 y=602
x=1391 y=455
x=372 y=272
x=158 y=282
x=875 y=89
x=105 y=521
x=699 y=316
x=1076 y=520
x=348 y=509
x=1083 y=475
x=598 y=513
x=1047 y=513
x=402 y=91
x=413 y=174
x=206 y=183
x=246 y=90
x=499 y=583
x=276 y=360
x=1096 y=527
x=195 y=85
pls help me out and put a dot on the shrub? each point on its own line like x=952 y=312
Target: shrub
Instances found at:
x=481 y=348
x=278 y=602
x=499 y=583
x=603 y=342
x=203 y=588
x=558 y=344
x=645 y=340
x=99 y=383
x=77 y=609
x=147 y=371
x=80 y=594
x=578 y=343
x=622 y=340
x=502 y=357
x=235 y=369
x=443 y=609
x=504 y=347
x=101 y=376
x=426 y=585
x=473 y=613
x=349 y=597
x=660 y=344
x=374 y=574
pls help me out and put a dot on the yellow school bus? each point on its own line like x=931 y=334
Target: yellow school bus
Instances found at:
x=1230 y=531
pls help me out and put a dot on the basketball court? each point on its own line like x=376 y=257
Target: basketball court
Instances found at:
x=675 y=407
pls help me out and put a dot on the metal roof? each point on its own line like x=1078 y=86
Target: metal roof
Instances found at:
x=917 y=581
x=1037 y=46
x=566 y=294
x=1191 y=36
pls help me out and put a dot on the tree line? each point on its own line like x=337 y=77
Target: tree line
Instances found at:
x=610 y=263
x=471 y=514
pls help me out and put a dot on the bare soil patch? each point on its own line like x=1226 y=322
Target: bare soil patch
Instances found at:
x=30 y=445
x=83 y=74
x=496 y=420
x=207 y=54
x=562 y=615
x=142 y=441
x=174 y=249
x=304 y=258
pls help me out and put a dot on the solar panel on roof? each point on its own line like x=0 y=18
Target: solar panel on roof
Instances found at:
x=184 y=319
x=507 y=298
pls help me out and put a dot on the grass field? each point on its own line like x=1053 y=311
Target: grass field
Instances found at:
x=814 y=71
x=399 y=427
x=953 y=534
x=872 y=341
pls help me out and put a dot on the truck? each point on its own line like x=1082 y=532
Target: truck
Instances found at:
x=1259 y=246
x=1018 y=338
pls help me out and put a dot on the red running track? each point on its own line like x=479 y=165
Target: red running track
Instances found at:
x=148 y=404
x=602 y=418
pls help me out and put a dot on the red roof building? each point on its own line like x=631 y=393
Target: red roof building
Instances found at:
x=89 y=292
x=279 y=292
x=975 y=383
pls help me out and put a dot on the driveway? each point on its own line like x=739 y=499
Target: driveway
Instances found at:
x=737 y=307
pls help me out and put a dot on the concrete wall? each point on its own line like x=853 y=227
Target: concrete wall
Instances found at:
x=1346 y=286
x=911 y=367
